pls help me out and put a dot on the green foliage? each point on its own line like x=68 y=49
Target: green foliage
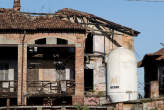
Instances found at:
x=91 y=90
x=85 y=107
x=80 y=107
x=101 y=94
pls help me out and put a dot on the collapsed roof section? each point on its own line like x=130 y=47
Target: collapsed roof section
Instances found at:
x=63 y=19
x=94 y=23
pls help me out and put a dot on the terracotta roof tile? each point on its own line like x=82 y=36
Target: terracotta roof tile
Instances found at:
x=15 y=20
x=46 y=22
x=72 y=12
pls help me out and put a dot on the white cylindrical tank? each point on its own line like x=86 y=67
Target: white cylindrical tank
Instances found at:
x=121 y=75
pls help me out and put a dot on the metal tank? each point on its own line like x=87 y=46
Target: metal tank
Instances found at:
x=121 y=75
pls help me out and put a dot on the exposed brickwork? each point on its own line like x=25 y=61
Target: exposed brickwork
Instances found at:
x=29 y=38
x=79 y=63
x=127 y=42
x=19 y=90
x=77 y=100
x=154 y=89
x=79 y=73
x=24 y=74
x=123 y=40
x=20 y=95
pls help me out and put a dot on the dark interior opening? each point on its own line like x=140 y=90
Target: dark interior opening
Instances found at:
x=9 y=53
x=62 y=101
x=40 y=41
x=13 y=101
x=88 y=79
x=8 y=57
x=35 y=101
x=89 y=44
x=3 y=102
x=50 y=101
x=61 y=41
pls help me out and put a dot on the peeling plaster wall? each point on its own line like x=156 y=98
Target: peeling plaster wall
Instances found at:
x=5 y=40
x=98 y=44
x=96 y=63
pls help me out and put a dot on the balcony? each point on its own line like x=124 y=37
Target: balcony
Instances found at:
x=50 y=88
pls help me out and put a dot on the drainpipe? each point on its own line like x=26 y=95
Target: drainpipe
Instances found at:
x=22 y=96
x=105 y=66
x=112 y=37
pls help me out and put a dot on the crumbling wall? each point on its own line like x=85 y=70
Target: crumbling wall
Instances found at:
x=97 y=63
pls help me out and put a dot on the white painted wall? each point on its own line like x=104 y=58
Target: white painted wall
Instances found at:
x=98 y=43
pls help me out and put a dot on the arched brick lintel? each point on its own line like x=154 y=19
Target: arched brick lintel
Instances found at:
x=72 y=37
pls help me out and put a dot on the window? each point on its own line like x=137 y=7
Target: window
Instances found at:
x=88 y=79
x=4 y=71
x=61 y=41
x=89 y=44
x=41 y=41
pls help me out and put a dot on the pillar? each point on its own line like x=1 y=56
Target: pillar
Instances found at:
x=22 y=77
x=8 y=104
x=119 y=106
x=78 y=98
x=154 y=89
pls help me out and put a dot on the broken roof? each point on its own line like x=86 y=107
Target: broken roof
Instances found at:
x=156 y=56
x=67 y=12
x=10 y=19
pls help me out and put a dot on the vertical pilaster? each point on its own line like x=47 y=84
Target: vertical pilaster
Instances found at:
x=79 y=75
x=22 y=74
x=154 y=89
x=19 y=90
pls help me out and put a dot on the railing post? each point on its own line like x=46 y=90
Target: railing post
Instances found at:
x=50 y=86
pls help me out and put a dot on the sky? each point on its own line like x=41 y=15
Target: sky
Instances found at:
x=145 y=17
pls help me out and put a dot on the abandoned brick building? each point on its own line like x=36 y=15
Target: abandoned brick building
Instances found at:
x=154 y=73
x=56 y=55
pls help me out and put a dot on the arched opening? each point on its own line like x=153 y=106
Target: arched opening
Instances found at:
x=40 y=41
x=89 y=43
x=52 y=40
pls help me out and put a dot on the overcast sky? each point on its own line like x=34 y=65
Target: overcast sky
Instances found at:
x=146 y=17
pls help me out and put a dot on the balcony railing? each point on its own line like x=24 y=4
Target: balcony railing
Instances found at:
x=8 y=88
x=62 y=87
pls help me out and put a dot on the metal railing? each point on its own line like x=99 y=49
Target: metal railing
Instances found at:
x=61 y=87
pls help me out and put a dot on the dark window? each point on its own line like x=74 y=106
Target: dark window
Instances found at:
x=89 y=44
x=61 y=41
x=41 y=41
x=161 y=77
x=4 y=71
x=88 y=79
